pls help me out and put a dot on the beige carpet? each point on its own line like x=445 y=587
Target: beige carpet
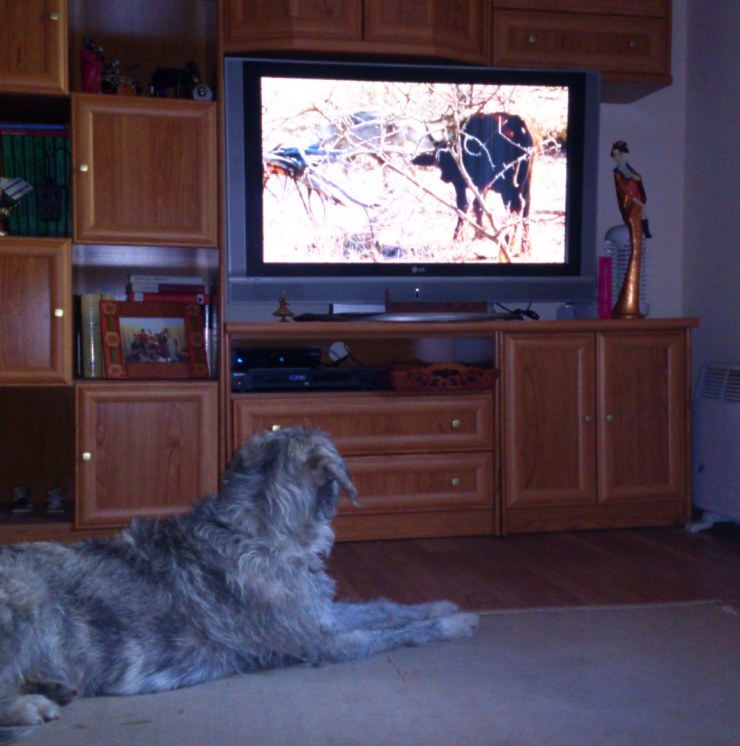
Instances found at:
x=653 y=675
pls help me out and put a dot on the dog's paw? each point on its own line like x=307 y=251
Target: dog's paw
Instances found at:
x=438 y=609
x=29 y=709
x=56 y=691
x=458 y=625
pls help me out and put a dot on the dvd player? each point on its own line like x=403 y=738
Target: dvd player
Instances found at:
x=309 y=379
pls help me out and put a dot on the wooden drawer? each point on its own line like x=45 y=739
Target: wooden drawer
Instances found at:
x=659 y=8
x=373 y=423
x=612 y=44
x=440 y=481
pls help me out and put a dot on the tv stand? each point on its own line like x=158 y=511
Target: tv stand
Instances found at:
x=583 y=424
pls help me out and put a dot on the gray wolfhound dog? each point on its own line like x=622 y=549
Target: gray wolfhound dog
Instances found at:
x=237 y=584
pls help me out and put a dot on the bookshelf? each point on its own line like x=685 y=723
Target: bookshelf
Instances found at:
x=119 y=153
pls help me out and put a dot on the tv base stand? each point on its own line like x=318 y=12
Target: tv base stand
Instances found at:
x=583 y=425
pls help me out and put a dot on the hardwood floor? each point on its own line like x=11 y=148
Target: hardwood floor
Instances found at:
x=626 y=566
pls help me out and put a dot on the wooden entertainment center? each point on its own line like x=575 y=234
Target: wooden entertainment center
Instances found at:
x=585 y=425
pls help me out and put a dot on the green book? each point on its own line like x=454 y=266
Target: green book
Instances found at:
x=63 y=147
x=43 y=227
x=6 y=150
x=19 y=166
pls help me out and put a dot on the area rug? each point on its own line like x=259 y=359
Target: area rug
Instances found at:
x=653 y=675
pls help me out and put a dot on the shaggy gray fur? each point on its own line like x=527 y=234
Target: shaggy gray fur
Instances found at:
x=235 y=585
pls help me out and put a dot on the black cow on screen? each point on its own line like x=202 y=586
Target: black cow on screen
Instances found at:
x=497 y=152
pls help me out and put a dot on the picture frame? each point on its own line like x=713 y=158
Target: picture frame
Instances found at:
x=153 y=340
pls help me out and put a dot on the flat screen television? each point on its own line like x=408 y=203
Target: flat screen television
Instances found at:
x=350 y=182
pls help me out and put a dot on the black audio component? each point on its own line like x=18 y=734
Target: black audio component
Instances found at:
x=246 y=358
x=309 y=379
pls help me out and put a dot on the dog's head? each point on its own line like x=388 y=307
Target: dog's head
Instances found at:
x=288 y=481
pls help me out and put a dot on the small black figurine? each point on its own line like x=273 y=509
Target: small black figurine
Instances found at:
x=55 y=504
x=21 y=499
x=182 y=81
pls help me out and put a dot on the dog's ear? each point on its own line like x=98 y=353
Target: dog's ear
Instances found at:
x=337 y=471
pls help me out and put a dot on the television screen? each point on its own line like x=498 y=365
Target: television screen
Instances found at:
x=358 y=173
x=370 y=171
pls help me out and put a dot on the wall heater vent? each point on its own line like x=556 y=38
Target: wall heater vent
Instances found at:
x=716 y=445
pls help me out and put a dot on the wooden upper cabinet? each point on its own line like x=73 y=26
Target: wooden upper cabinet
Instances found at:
x=35 y=311
x=144 y=171
x=303 y=25
x=33 y=46
x=454 y=29
x=659 y=8
x=144 y=449
x=616 y=45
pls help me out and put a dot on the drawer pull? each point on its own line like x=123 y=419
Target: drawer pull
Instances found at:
x=84 y=168
x=456 y=424
x=610 y=418
x=59 y=312
x=54 y=15
x=533 y=38
x=588 y=418
x=87 y=456
x=455 y=481
x=275 y=428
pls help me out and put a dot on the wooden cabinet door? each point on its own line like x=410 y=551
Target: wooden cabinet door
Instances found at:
x=621 y=47
x=642 y=430
x=249 y=25
x=442 y=28
x=35 y=311
x=33 y=46
x=548 y=420
x=144 y=449
x=145 y=171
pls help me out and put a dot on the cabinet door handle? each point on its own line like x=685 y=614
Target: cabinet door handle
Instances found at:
x=610 y=418
x=59 y=312
x=86 y=456
x=456 y=424
x=588 y=418
x=455 y=481
x=84 y=167
x=54 y=15
x=275 y=428
x=533 y=38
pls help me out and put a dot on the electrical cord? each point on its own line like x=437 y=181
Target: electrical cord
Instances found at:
x=528 y=311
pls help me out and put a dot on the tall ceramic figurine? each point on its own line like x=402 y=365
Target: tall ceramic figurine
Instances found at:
x=91 y=61
x=631 y=198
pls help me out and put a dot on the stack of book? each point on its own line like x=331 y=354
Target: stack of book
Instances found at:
x=40 y=155
x=178 y=288
x=91 y=358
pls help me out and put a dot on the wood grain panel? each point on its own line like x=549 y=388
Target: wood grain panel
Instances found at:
x=152 y=449
x=33 y=46
x=144 y=171
x=35 y=311
x=612 y=44
x=374 y=423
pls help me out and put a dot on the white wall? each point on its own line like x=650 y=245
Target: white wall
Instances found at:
x=711 y=204
x=654 y=128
